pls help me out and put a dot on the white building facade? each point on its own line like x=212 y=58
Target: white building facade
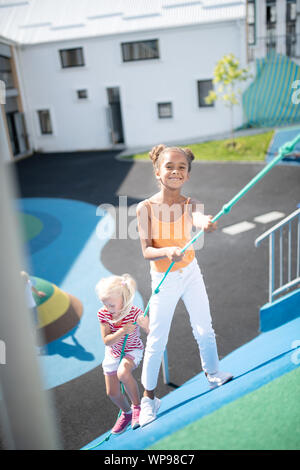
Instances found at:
x=273 y=25
x=135 y=84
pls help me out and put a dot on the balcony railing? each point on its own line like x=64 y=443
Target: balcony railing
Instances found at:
x=288 y=45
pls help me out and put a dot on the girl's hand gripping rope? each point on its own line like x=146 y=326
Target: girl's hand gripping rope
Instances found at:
x=174 y=253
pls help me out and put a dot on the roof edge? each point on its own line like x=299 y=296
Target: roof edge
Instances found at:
x=138 y=31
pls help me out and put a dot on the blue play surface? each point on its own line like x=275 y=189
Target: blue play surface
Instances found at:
x=253 y=365
x=67 y=253
x=282 y=136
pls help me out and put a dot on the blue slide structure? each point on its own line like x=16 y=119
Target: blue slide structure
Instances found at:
x=275 y=352
x=255 y=364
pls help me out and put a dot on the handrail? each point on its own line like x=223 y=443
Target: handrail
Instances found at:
x=276 y=227
x=271 y=235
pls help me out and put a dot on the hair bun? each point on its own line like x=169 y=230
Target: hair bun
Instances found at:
x=189 y=153
x=155 y=152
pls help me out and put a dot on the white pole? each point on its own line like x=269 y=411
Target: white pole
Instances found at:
x=27 y=417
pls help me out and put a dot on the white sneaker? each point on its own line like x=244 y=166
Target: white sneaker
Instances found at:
x=218 y=379
x=149 y=409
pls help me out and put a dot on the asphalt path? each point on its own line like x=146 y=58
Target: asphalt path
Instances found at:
x=235 y=272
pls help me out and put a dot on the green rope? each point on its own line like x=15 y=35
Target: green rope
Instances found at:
x=122 y=390
x=285 y=149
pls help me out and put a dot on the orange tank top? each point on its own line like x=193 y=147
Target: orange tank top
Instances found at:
x=177 y=233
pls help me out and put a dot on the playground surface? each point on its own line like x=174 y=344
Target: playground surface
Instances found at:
x=281 y=136
x=260 y=400
x=70 y=241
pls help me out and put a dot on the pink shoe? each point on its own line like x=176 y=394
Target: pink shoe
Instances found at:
x=135 y=416
x=122 y=422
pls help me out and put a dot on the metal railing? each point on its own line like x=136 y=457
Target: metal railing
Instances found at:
x=288 y=45
x=287 y=263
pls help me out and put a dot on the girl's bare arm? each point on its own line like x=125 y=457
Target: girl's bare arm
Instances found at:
x=200 y=220
x=143 y=322
x=110 y=338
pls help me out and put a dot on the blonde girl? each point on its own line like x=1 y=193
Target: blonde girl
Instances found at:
x=165 y=221
x=117 y=319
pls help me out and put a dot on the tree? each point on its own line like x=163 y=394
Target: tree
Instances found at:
x=227 y=74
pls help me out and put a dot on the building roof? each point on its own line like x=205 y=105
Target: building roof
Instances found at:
x=40 y=21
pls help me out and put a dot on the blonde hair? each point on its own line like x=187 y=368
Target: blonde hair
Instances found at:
x=157 y=151
x=123 y=286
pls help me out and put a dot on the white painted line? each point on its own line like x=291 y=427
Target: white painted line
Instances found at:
x=238 y=228
x=269 y=217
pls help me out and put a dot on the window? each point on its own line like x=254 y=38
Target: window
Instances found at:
x=11 y=104
x=271 y=18
x=82 y=94
x=45 y=121
x=164 y=110
x=251 y=22
x=5 y=72
x=2 y=92
x=71 y=57
x=271 y=12
x=140 y=50
x=291 y=37
x=204 y=87
x=291 y=10
x=113 y=95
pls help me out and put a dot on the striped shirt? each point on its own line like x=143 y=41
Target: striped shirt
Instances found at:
x=133 y=340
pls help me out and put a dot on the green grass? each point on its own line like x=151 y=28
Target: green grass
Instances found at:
x=266 y=419
x=248 y=148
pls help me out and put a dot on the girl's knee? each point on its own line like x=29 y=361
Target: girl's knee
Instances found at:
x=124 y=372
x=156 y=344
x=204 y=335
x=204 y=329
x=123 y=376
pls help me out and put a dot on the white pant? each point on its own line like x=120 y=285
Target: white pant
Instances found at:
x=186 y=283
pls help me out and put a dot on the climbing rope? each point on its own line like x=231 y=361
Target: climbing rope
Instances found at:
x=285 y=149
